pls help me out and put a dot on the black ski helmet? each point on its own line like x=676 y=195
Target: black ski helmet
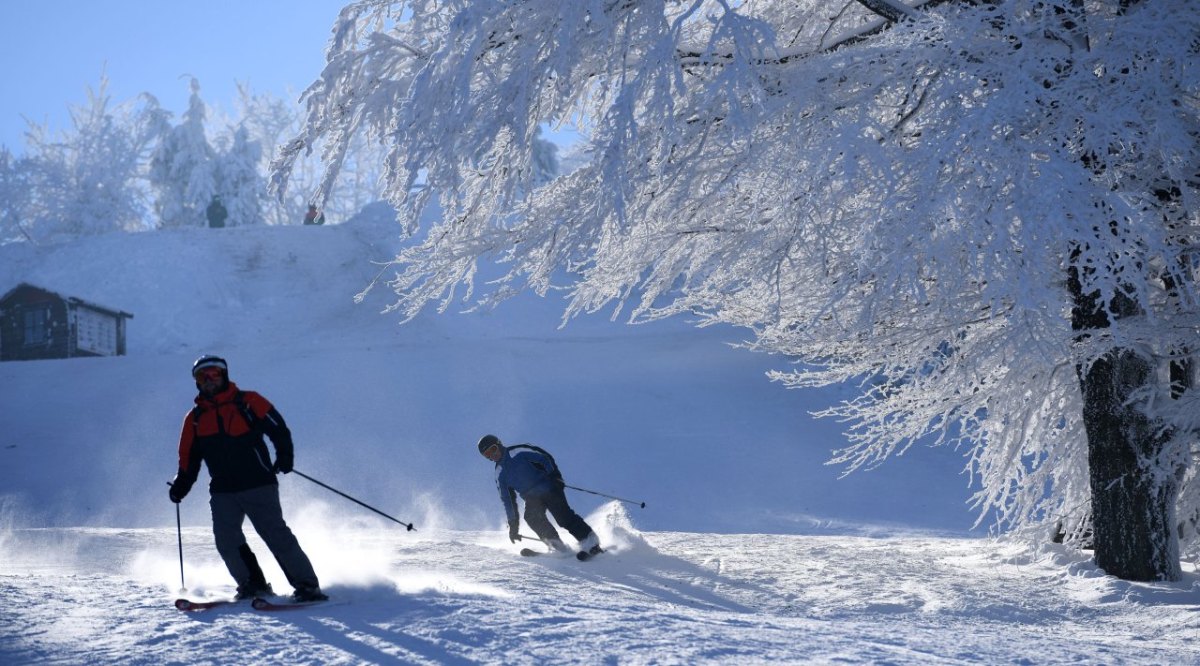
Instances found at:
x=210 y=361
x=488 y=441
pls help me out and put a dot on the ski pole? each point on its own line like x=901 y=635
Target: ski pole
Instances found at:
x=362 y=504
x=179 y=533
x=619 y=499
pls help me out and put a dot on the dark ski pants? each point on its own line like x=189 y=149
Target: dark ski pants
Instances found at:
x=261 y=506
x=554 y=501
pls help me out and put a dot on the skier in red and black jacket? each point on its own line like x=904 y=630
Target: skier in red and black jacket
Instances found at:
x=225 y=430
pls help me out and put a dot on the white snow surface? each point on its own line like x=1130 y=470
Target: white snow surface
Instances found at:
x=749 y=548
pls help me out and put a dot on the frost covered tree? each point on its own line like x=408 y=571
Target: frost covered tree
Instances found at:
x=271 y=121
x=14 y=196
x=87 y=179
x=982 y=212
x=239 y=182
x=183 y=169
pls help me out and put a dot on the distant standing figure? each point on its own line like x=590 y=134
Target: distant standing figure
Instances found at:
x=313 y=216
x=216 y=212
x=533 y=474
x=225 y=430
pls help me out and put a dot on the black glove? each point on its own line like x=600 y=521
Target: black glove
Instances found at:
x=513 y=536
x=179 y=488
x=282 y=464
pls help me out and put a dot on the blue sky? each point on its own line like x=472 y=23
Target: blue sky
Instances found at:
x=53 y=51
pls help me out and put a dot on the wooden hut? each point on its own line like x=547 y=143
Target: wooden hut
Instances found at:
x=36 y=323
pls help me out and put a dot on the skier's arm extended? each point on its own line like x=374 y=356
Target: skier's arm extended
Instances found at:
x=271 y=421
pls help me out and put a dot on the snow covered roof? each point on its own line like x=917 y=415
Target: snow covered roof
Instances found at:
x=71 y=300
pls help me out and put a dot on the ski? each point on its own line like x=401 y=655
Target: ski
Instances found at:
x=585 y=555
x=529 y=552
x=265 y=605
x=258 y=603
x=189 y=605
x=582 y=556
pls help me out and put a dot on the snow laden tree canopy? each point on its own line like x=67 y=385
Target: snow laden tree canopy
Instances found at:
x=182 y=168
x=83 y=181
x=963 y=207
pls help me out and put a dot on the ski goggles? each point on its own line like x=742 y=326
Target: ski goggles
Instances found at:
x=209 y=373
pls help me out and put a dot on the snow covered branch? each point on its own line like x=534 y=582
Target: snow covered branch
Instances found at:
x=891 y=10
x=899 y=211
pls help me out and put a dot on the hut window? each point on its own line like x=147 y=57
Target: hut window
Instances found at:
x=36 y=322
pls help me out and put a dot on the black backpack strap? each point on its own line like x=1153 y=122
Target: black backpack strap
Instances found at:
x=245 y=411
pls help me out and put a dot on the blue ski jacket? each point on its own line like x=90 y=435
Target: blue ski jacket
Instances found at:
x=528 y=474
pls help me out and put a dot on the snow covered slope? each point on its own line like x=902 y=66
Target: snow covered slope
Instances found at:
x=663 y=413
x=875 y=568
x=657 y=598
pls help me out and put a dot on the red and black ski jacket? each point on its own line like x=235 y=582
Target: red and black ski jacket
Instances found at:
x=226 y=432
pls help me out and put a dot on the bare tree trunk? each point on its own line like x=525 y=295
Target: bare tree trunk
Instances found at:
x=1133 y=499
x=1133 y=486
x=1133 y=493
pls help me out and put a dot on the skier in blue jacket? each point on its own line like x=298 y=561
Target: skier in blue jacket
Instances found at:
x=533 y=474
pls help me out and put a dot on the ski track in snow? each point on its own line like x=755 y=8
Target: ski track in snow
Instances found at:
x=73 y=595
